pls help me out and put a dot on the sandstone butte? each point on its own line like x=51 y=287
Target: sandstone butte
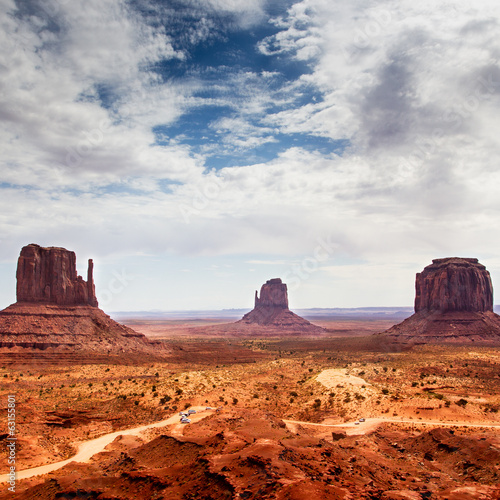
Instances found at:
x=57 y=313
x=271 y=310
x=453 y=304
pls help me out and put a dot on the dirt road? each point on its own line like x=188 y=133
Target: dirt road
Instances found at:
x=370 y=424
x=88 y=449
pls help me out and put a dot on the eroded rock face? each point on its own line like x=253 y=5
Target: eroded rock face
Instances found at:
x=271 y=309
x=273 y=293
x=56 y=316
x=48 y=275
x=453 y=304
x=454 y=284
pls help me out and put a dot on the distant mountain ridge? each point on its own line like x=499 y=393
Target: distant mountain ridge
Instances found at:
x=309 y=313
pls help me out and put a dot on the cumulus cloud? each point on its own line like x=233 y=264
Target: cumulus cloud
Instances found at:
x=90 y=91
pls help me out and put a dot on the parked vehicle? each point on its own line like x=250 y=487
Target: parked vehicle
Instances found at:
x=361 y=419
x=190 y=412
x=185 y=420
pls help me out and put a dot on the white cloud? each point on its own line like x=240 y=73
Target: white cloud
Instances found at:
x=414 y=88
x=55 y=129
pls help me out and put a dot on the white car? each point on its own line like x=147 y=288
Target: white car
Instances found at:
x=185 y=420
x=190 y=412
x=361 y=419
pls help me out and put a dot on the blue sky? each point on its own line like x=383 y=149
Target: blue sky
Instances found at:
x=196 y=149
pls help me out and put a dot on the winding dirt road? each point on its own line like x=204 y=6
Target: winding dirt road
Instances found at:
x=88 y=449
x=370 y=424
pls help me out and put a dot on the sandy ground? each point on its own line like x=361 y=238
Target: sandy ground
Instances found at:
x=88 y=449
x=334 y=377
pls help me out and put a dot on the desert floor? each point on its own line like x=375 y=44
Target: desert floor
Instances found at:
x=284 y=421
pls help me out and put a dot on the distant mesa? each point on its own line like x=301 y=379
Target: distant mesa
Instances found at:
x=271 y=309
x=453 y=303
x=57 y=311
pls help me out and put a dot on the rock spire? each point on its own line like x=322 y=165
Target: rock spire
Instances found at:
x=48 y=275
x=271 y=309
x=56 y=316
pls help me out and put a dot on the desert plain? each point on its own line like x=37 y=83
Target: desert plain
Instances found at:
x=276 y=417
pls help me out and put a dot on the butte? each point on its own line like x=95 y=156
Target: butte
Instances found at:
x=453 y=304
x=57 y=318
x=271 y=310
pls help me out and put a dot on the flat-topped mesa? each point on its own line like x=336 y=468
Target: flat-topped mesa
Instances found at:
x=273 y=293
x=453 y=303
x=48 y=275
x=454 y=284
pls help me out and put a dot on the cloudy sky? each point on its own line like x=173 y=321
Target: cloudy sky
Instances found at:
x=197 y=148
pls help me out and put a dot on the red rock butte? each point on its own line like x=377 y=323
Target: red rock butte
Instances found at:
x=453 y=303
x=271 y=309
x=48 y=275
x=57 y=313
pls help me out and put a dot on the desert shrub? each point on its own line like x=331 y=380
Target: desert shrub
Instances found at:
x=461 y=402
x=317 y=403
x=385 y=391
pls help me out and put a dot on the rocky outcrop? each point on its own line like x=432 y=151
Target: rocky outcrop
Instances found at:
x=56 y=315
x=271 y=309
x=453 y=304
x=273 y=293
x=48 y=275
x=454 y=284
